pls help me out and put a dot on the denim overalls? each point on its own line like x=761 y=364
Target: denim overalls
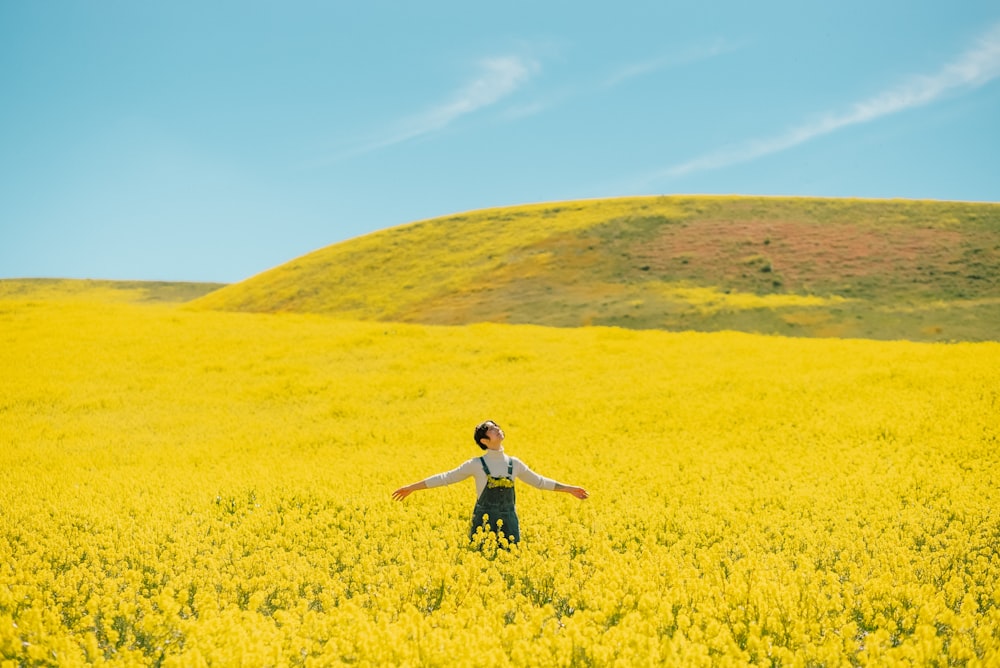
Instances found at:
x=497 y=501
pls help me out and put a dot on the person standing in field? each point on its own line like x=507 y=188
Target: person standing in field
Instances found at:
x=495 y=507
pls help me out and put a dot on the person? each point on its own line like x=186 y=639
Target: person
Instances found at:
x=494 y=474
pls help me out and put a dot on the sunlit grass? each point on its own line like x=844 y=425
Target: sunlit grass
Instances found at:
x=709 y=300
x=380 y=273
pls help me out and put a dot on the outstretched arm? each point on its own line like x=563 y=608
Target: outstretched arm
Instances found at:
x=578 y=492
x=522 y=471
x=404 y=492
x=466 y=470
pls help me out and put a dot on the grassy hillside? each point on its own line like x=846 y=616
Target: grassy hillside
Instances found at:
x=915 y=270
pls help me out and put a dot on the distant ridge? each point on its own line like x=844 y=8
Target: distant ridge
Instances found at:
x=85 y=289
x=886 y=269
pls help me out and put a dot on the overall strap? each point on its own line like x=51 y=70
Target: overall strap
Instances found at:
x=482 y=460
x=510 y=467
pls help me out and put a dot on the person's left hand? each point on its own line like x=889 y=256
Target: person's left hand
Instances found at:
x=402 y=493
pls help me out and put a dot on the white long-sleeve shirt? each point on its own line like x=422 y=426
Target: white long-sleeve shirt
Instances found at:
x=496 y=460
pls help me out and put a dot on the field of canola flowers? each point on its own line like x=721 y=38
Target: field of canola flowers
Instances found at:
x=187 y=489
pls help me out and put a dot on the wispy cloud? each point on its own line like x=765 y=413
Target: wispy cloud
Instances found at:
x=692 y=55
x=554 y=97
x=976 y=67
x=497 y=78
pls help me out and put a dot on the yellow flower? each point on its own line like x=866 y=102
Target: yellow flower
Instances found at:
x=197 y=488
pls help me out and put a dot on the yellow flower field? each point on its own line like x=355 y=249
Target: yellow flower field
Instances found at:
x=183 y=488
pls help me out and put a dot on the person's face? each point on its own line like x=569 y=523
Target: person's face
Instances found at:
x=494 y=436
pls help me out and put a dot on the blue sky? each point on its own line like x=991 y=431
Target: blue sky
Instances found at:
x=210 y=141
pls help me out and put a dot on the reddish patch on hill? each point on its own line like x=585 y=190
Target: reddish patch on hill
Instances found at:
x=793 y=255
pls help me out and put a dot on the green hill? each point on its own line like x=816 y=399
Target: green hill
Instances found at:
x=919 y=270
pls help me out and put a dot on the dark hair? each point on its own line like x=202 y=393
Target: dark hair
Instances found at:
x=480 y=432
